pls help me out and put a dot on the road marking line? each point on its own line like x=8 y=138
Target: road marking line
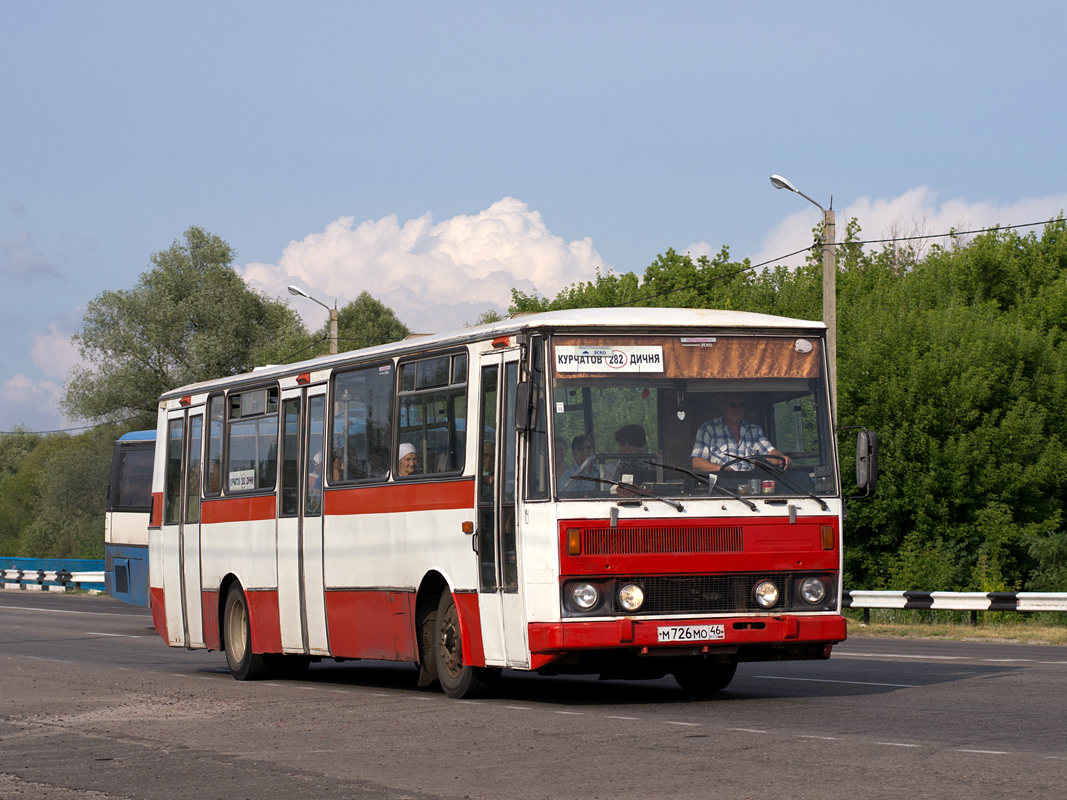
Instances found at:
x=65 y=611
x=898 y=744
x=827 y=680
x=518 y=708
x=987 y=752
x=690 y=724
x=810 y=736
x=896 y=655
x=1007 y=660
x=470 y=702
x=1052 y=662
x=58 y=660
x=571 y=713
x=631 y=719
x=120 y=635
x=746 y=730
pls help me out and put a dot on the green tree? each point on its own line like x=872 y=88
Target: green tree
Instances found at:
x=190 y=318
x=20 y=492
x=71 y=490
x=365 y=322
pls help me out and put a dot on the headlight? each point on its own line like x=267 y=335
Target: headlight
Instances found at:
x=813 y=590
x=584 y=595
x=631 y=597
x=766 y=593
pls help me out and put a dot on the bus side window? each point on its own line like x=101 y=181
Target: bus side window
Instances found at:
x=215 y=416
x=432 y=411
x=361 y=429
x=252 y=440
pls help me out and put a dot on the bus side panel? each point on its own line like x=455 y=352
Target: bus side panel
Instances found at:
x=263 y=617
x=246 y=549
x=372 y=624
x=126 y=573
x=209 y=602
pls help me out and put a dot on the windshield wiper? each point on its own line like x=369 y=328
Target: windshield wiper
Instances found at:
x=712 y=485
x=632 y=488
x=779 y=474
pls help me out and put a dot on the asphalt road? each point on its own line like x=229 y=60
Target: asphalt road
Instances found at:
x=94 y=705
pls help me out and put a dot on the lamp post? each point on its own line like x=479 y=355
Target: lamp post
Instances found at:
x=829 y=284
x=333 y=315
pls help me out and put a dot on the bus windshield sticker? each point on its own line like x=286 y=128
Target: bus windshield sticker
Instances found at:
x=609 y=359
x=698 y=341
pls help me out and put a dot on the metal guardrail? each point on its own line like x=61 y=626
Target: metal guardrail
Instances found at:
x=954 y=601
x=51 y=580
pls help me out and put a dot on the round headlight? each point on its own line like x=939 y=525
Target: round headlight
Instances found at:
x=766 y=593
x=631 y=597
x=584 y=595
x=813 y=590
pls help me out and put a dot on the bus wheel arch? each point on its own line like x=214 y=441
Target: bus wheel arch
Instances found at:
x=427 y=599
x=245 y=665
x=458 y=680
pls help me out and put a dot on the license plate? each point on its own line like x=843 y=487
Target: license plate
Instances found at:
x=690 y=633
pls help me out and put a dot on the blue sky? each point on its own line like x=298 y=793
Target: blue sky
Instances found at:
x=437 y=154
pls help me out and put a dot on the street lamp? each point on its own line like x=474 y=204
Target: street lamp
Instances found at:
x=829 y=284
x=333 y=315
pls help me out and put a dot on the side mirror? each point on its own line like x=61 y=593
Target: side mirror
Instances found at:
x=525 y=407
x=866 y=461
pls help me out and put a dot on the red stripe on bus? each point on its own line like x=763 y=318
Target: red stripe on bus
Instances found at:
x=372 y=624
x=264 y=620
x=399 y=497
x=159 y=612
x=470 y=623
x=238 y=509
x=209 y=604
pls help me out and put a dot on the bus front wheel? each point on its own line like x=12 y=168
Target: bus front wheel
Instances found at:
x=457 y=679
x=704 y=678
x=244 y=664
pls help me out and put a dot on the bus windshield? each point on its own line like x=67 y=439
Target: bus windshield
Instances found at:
x=682 y=415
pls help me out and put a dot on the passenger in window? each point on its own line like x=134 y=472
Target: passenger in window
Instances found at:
x=337 y=471
x=721 y=440
x=584 y=466
x=409 y=460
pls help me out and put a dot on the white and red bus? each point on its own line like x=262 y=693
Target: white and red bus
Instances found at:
x=515 y=495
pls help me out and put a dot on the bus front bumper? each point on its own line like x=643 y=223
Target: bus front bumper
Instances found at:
x=784 y=637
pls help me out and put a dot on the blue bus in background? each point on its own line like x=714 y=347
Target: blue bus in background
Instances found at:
x=127 y=511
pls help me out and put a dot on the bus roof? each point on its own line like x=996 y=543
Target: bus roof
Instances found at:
x=630 y=319
x=138 y=436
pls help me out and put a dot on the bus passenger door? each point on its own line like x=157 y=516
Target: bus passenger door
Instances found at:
x=498 y=535
x=181 y=529
x=301 y=602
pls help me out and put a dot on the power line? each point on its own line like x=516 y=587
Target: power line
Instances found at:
x=726 y=275
x=68 y=430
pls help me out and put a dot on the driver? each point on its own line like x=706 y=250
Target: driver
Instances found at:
x=721 y=440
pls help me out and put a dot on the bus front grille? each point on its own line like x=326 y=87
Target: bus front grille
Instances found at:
x=627 y=541
x=703 y=594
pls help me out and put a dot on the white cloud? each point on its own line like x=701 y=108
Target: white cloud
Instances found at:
x=435 y=277
x=54 y=353
x=917 y=211
x=32 y=403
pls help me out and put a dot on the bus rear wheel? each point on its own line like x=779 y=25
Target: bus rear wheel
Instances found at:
x=458 y=680
x=704 y=678
x=244 y=664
